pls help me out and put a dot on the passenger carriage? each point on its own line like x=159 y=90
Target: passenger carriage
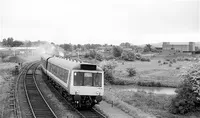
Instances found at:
x=81 y=83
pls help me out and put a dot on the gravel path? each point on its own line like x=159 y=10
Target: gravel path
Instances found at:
x=112 y=111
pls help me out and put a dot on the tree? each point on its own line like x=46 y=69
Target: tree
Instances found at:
x=17 y=43
x=117 y=51
x=187 y=98
x=4 y=42
x=148 y=48
x=67 y=47
x=128 y=56
x=27 y=43
x=125 y=45
x=9 y=42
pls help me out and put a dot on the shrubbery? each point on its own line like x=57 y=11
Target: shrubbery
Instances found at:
x=138 y=56
x=165 y=62
x=128 y=56
x=94 y=55
x=145 y=59
x=174 y=60
x=117 y=51
x=150 y=84
x=188 y=93
x=131 y=71
x=108 y=67
x=99 y=57
x=109 y=57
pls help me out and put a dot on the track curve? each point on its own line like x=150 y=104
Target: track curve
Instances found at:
x=38 y=104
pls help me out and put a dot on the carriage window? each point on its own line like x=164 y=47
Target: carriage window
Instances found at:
x=87 y=79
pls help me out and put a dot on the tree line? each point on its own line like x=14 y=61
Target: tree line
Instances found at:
x=10 y=42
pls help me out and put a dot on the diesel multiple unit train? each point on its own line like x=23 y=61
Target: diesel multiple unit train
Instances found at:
x=80 y=83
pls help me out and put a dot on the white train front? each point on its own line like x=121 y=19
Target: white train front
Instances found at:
x=81 y=83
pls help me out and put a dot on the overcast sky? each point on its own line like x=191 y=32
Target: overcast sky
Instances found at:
x=101 y=21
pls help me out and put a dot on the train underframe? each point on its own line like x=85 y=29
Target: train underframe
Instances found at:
x=78 y=101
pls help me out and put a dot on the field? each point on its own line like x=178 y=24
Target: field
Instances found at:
x=151 y=73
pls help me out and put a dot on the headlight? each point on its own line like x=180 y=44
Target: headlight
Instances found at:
x=76 y=92
x=98 y=93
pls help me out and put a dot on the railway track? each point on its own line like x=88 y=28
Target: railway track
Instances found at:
x=20 y=97
x=30 y=100
x=37 y=103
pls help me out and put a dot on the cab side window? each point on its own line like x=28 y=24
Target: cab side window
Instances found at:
x=66 y=75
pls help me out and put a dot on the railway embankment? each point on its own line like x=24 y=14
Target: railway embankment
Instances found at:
x=7 y=80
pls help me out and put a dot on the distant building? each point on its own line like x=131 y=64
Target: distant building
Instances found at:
x=179 y=47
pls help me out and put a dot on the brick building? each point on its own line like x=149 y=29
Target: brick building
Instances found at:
x=190 y=47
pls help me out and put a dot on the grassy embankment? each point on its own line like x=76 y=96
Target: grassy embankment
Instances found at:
x=141 y=104
x=6 y=79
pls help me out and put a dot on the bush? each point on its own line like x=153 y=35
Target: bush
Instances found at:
x=87 y=55
x=108 y=67
x=99 y=57
x=159 y=61
x=138 y=56
x=131 y=71
x=109 y=57
x=128 y=56
x=165 y=62
x=94 y=55
x=145 y=59
x=150 y=84
x=174 y=60
x=91 y=53
x=117 y=51
x=188 y=93
x=170 y=65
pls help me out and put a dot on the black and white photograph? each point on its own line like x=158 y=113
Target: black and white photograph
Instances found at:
x=99 y=58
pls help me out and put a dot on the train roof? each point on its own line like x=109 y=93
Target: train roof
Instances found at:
x=73 y=64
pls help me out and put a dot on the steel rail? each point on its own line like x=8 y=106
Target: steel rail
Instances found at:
x=42 y=95
x=17 y=106
x=28 y=96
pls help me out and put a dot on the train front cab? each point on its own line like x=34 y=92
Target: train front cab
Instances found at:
x=87 y=87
